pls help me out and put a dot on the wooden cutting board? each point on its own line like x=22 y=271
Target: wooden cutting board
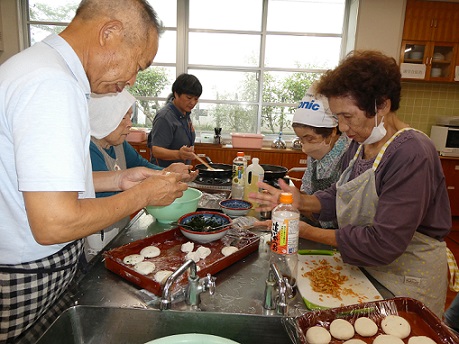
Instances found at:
x=356 y=289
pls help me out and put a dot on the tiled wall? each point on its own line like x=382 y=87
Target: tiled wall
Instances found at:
x=423 y=102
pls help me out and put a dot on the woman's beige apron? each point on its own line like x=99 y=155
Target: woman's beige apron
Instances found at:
x=416 y=272
x=96 y=242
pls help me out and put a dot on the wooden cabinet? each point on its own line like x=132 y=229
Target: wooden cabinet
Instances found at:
x=430 y=40
x=431 y=21
x=439 y=59
x=142 y=149
x=451 y=170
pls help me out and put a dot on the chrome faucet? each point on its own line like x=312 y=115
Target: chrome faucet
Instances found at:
x=194 y=289
x=276 y=298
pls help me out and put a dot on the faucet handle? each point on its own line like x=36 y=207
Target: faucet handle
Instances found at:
x=208 y=283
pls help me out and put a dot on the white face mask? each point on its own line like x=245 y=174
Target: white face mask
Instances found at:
x=377 y=133
x=316 y=150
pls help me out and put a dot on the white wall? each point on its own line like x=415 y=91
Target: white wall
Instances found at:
x=10 y=29
x=380 y=26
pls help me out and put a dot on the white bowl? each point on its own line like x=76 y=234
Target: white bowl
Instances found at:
x=438 y=57
x=416 y=55
x=435 y=72
x=204 y=237
x=235 y=207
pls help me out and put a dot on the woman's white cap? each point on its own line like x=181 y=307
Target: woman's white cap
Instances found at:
x=314 y=111
x=107 y=110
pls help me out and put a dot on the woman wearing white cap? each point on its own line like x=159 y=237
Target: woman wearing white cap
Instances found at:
x=110 y=121
x=323 y=143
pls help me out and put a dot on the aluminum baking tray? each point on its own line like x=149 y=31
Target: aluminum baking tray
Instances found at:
x=172 y=257
x=423 y=322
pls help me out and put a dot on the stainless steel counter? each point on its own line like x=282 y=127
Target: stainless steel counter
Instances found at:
x=240 y=287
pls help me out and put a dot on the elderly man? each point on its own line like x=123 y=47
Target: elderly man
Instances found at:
x=47 y=188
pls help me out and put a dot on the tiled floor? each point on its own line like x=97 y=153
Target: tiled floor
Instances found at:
x=452 y=241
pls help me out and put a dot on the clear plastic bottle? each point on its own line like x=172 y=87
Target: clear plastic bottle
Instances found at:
x=284 y=238
x=252 y=176
x=237 y=182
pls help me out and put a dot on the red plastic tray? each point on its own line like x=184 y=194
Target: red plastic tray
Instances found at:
x=423 y=322
x=172 y=257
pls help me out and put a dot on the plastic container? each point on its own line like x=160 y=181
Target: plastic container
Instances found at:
x=237 y=180
x=247 y=140
x=254 y=174
x=136 y=136
x=284 y=238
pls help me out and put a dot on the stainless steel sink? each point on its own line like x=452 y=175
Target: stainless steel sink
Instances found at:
x=93 y=324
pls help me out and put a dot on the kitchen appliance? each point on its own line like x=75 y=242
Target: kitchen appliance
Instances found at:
x=445 y=136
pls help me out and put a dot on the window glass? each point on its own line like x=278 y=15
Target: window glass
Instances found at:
x=306 y=16
x=229 y=117
x=223 y=49
x=227 y=85
x=302 y=51
x=166 y=10
x=41 y=31
x=275 y=119
x=238 y=15
x=167 y=49
x=52 y=10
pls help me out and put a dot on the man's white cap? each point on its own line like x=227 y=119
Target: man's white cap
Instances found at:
x=314 y=111
x=107 y=110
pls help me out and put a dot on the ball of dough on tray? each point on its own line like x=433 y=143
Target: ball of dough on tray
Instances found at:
x=162 y=276
x=396 y=326
x=341 y=329
x=150 y=252
x=145 y=268
x=421 y=340
x=318 y=335
x=227 y=250
x=354 y=341
x=193 y=256
x=203 y=252
x=187 y=247
x=387 y=339
x=133 y=259
x=365 y=327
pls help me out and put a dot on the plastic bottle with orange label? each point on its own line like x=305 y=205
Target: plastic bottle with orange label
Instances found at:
x=284 y=237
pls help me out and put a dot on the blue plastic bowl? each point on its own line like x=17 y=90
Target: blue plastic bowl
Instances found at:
x=235 y=207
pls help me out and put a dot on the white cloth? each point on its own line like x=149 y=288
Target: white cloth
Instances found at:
x=314 y=111
x=107 y=110
x=44 y=135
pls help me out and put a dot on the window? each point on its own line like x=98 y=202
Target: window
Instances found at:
x=255 y=59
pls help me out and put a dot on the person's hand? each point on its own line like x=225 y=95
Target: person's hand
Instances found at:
x=186 y=153
x=163 y=189
x=185 y=170
x=266 y=223
x=132 y=176
x=267 y=199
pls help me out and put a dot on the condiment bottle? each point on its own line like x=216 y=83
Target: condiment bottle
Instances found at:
x=237 y=182
x=284 y=237
x=254 y=174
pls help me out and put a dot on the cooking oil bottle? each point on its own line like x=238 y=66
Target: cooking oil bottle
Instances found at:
x=284 y=237
x=237 y=182
x=254 y=174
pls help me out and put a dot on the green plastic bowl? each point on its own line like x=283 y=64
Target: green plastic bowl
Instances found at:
x=188 y=203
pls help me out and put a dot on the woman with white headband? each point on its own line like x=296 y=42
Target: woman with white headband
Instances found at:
x=323 y=143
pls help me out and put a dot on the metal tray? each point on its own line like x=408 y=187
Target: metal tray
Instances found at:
x=172 y=257
x=423 y=322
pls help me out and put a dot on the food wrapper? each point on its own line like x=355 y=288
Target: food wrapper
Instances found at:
x=422 y=321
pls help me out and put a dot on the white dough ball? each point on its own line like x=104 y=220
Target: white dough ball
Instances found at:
x=145 y=268
x=396 y=326
x=341 y=329
x=187 y=247
x=421 y=340
x=162 y=276
x=354 y=341
x=203 y=252
x=227 y=250
x=318 y=335
x=365 y=327
x=133 y=259
x=387 y=339
x=193 y=256
x=150 y=252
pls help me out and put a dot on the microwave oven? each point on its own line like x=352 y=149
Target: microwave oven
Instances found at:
x=446 y=140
